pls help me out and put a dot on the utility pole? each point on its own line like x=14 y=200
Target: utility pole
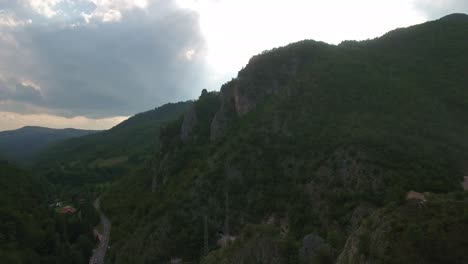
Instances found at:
x=154 y=174
x=205 y=236
x=226 y=220
x=390 y=75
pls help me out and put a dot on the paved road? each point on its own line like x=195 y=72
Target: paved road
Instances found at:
x=100 y=252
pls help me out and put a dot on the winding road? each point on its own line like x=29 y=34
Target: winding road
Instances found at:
x=100 y=252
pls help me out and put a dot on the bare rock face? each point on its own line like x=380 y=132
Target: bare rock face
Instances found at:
x=465 y=183
x=225 y=241
x=176 y=260
x=159 y=175
x=218 y=126
x=237 y=99
x=242 y=102
x=261 y=249
x=364 y=246
x=219 y=123
x=241 y=95
x=189 y=123
x=313 y=248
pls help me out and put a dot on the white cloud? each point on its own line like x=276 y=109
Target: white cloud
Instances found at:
x=97 y=10
x=112 y=10
x=32 y=84
x=47 y=8
x=9 y=20
x=107 y=16
x=436 y=8
x=120 y=4
x=8 y=40
x=10 y=120
x=189 y=54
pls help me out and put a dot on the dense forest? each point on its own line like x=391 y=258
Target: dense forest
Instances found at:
x=287 y=160
x=31 y=231
x=99 y=158
x=72 y=173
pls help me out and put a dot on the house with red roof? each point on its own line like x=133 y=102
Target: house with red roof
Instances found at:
x=68 y=210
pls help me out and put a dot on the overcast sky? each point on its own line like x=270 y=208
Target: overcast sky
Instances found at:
x=92 y=63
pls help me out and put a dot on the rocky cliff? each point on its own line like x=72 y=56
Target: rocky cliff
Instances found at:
x=264 y=75
x=307 y=142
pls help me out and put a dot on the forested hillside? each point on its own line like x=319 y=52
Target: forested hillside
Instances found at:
x=285 y=162
x=22 y=145
x=31 y=231
x=46 y=213
x=100 y=157
x=432 y=232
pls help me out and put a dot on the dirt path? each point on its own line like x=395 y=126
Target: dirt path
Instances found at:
x=100 y=252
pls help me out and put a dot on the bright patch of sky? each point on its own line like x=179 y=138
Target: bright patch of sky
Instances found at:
x=11 y=120
x=235 y=30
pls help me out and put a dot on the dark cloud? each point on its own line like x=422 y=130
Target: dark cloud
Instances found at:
x=435 y=9
x=27 y=93
x=21 y=93
x=102 y=69
x=4 y=5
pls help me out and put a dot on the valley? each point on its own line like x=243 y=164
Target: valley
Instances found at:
x=103 y=236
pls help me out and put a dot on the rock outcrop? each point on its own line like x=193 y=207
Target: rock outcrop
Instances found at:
x=313 y=249
x=189 y=123
x=219 y=123
x=364 y=246
x=241 y=95
x=158 y=173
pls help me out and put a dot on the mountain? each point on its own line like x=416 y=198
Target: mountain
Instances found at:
x=102 y=156
x=23 y=144
x=290 y=158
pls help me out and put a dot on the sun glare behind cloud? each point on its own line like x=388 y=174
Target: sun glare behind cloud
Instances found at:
x=235 y=30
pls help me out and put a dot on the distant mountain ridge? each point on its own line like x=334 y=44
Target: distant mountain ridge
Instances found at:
x=101 y=156
x=21 y=145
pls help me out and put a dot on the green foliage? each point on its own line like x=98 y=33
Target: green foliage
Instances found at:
x=206 y=107
x=31 y=231
x=101 y=157
x=433 y=233
x=329 y=130
x=256 y=244
x=364 y=243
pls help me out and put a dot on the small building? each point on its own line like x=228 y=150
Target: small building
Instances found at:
x=68 y=210
x=415 y=196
